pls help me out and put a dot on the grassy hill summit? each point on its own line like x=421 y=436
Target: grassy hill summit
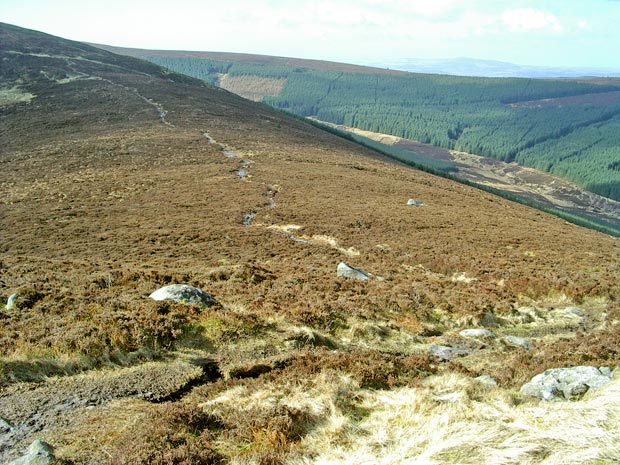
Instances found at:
x=354 y=310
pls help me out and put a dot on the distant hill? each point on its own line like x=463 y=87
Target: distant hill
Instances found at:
x=120 y=177
x=511 y=119
x=251 y=59
x=490 y=68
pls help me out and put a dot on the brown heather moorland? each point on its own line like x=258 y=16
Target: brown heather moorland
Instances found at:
x=119 y=177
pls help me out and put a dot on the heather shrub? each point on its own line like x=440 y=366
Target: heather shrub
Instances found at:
x=172 y=434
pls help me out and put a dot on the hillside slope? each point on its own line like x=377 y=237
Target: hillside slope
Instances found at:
x=120 y=177
x=565 y=127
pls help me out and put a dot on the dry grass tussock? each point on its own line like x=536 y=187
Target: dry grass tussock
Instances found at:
x=330 y=419
x=450 y=420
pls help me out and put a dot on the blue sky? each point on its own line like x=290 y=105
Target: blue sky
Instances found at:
x=571 y=33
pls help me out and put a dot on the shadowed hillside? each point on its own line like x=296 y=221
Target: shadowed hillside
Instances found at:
x=120 y=177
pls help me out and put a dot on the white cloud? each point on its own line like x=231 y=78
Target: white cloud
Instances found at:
x=530 y=19
x=341 y=30
x=428 y=9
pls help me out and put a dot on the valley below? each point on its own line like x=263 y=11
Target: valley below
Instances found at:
x=537 y=186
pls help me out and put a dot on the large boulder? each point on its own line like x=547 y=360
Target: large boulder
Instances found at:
x=184 y=294
x=350 y=272
x=566 y=383
x=39 y=453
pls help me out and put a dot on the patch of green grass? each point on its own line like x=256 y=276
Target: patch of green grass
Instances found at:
x=14 y=95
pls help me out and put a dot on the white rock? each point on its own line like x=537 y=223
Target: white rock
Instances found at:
x=415 y=203
x=350 y=272
x=184 y=294
x=10 y=303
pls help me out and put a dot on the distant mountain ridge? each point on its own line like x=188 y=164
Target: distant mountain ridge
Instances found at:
x=250 y=59
x=460 y=66
x=464 y=66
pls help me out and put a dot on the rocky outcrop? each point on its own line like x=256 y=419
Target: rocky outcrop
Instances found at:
x=350 y=272
x=39 y=453
x=566 y=383
x=183 y=293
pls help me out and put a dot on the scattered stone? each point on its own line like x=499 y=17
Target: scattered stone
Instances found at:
x=559 y=384
x=515 y=341
x=447 y=353
x=10 y=303
x=228 y=153
x=476 y=332
x=574 y=311
x=350 y=272
x=487 y=381
x=415 y=203
x=248 y=218
x=39 y=453
x=183 y=293
x=23 y=299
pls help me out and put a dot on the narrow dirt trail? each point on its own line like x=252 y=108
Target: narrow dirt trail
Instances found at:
x=243 y=173
x=161 y=111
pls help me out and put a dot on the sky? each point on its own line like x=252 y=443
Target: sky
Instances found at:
x=567 y=33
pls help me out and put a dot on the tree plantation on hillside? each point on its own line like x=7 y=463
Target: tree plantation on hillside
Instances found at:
x=578 y=140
